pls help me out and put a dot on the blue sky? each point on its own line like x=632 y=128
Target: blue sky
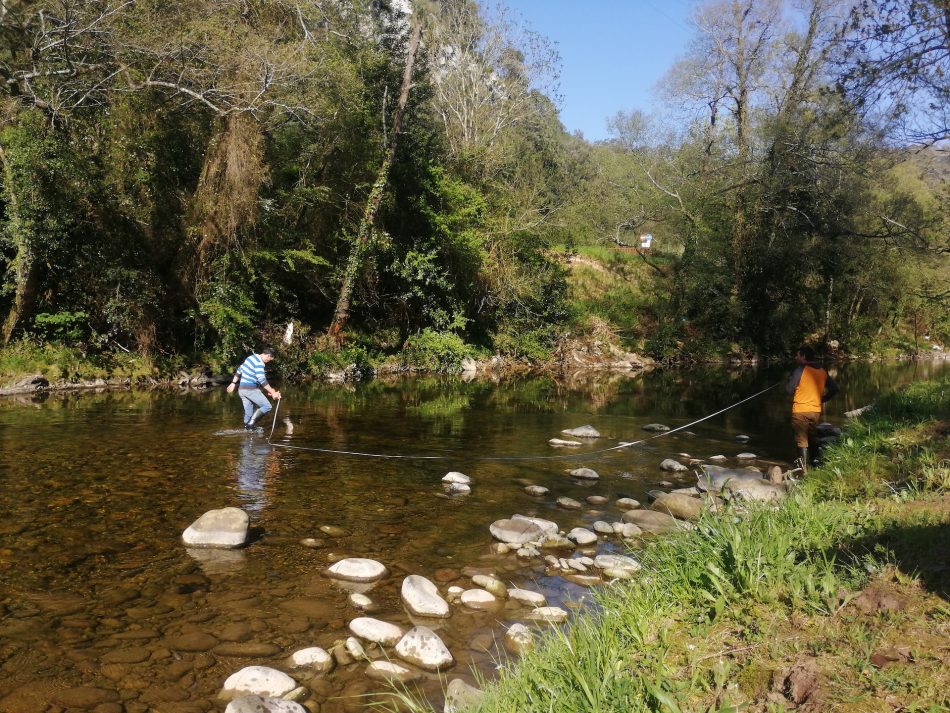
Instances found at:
x=613 y=53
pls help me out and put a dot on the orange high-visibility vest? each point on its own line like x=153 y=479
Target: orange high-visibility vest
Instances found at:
x=810 y=389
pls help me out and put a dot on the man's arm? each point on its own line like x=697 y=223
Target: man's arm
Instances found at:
x=793 y=380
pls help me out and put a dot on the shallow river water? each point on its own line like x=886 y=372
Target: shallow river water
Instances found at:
x=103 y=608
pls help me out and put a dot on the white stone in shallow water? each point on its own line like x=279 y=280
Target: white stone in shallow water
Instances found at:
x=423 y=648
x=628 y=503
x=456 y=477
x=354 y=648
x=656 y=427
x=672 y=466
x=460 y=696
x=747 y=456
x=554 y=615
x=604 y=528
x=357 y=569
x=582 y=432
x=225 y=528
x=360 y=601
x=568 y=503
x=457 y=488
x=313 y=657
x=536 y=490
x=582 y=536
x=585 y=474
x=258 y=704
x=379 y=632
x=616 y=562
x=258 y=681
x=519 y=638
x=515 y=532
x=491 y=584
x=717 y=458
x=561 y=443
x=479 y=599
x=527 y=597
x=422 y=597
x=548 y=526
x=388 y=671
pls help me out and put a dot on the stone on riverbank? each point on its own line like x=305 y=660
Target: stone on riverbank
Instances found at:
x=650 y=521
x=585 y=474
x=678 y=505
x=390 y=672
x=582 y=536
x=755 y=490
x=461 y=696
x=516 y=531
x=617 y=562
x=225 y=528
x=582 y=432
x=423 y=648
x=518 y=638
x=376 y=631
x=357 y=569
x=422 y=597
x=527 y=597
x=257 y=681
x=551 y=615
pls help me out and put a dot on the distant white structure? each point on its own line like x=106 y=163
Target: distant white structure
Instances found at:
x=646 y=241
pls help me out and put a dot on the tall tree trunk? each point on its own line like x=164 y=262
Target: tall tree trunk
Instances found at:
x=341 y=314
x=24 y=264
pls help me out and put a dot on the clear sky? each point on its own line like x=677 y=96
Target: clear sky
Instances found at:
x=613 y=53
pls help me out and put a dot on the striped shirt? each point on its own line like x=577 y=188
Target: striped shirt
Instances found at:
x=252 y=372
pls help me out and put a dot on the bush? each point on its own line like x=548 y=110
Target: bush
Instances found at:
x=436 y=351
x=62 y=327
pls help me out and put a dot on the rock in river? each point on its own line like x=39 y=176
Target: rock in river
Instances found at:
x=582 y=536
x=678 y=505
x=456 y=477
x=379 y=632
x=549 y=526
x=225 y=528
x=312 y=657
x=357 y=569
x=516 y=532
x=423 y=648
x=479 y=599
x=650 y=521
x=518 y=638
x=265 y=704
x=258 y=681
x=553 y=615
x=568 y=503
x=627 y=503
x=656 y=428
x=582 y=432
x=527 y=597
x=584 y=474
x=536 y=490
x=561 y=443
x=422 y=597
x=390 y=671
x=460 y=696
x=673 y=466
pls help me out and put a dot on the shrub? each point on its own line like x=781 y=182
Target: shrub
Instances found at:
x=435 y=351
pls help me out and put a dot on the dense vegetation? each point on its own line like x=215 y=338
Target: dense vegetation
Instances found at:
x=188 y=177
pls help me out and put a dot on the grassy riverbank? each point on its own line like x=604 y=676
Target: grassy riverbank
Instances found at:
x=837 y=600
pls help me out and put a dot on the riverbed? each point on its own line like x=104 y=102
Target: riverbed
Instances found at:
x=103 y=608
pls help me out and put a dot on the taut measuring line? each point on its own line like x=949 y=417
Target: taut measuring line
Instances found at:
x=585 y=454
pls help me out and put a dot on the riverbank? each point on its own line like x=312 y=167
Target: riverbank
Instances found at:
x=835 y=600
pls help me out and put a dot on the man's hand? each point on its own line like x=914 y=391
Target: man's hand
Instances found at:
x=231 y=387
x=274 y=394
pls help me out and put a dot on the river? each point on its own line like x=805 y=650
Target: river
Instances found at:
x=103 y=608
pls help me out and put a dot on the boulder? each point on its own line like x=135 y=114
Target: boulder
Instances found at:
x=423 y=648
x=376 y=631
x=357 y=569
x=678 y=505
x=584 y=474
x=673 y=466
x=422 y=597
x=225 y=528
x=582 y=432
x=460 y=696
x=516 y=531
x=257 y=681
x=312 y=657
x=650 y=521
x=265 y=704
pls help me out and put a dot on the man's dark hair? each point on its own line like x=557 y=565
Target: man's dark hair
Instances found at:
x=807 y=352
x=268 y=351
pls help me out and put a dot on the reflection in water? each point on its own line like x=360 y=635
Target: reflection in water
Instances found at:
x=251 y=467
x=216 y=561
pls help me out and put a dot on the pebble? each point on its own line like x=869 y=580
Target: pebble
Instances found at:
x=360 y=601
x=527 y=597
x=536 y=490
x=568 y=503
x=585 y=474
x=597 y=500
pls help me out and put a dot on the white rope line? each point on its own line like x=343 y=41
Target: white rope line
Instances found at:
x=585 y=454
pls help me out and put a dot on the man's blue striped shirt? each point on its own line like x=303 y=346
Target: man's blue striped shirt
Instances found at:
x=252 y=372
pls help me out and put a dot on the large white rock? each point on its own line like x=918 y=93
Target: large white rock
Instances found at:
x=582 y=432
x=258 y=681
x=379 y=632
x=422 y=597
x=312 y=657
x=515 y=532
x=423 y=648
x=357 y=569
x=257 y=704
x=456 y=477
x=585 y=474
x=527 y=597
x=225 y=528
x=582 y=536
x=549 y=526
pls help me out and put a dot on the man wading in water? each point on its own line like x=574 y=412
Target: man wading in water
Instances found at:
x=252 y=378
x=810 y=387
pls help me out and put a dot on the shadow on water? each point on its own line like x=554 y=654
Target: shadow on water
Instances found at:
x=96 y=589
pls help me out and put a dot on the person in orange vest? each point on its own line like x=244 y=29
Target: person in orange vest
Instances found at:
x=810 y=386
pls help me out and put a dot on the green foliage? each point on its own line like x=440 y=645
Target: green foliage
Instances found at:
x=436 y=351
x=62 y=327
x=230 y=311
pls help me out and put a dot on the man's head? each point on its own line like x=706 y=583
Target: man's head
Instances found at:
x=805 y=355
x=267 y=354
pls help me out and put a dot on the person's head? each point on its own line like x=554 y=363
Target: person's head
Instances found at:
x=267 y=354
x=805 y=354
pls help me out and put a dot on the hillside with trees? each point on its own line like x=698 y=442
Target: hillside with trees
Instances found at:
x=389 y=181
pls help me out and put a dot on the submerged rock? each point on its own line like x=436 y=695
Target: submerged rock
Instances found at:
x=266 y=704
x=225 y=528
x=461 y=696
x=568 y=503
x=582 y=432
x=258 y=681
x=596 y=500
x=536 y=490
x=552 y=615
x=673 y=466
x=585 y=474
x=357 y=569
x=389 y=672
x=560 y=443
x=527 y=597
